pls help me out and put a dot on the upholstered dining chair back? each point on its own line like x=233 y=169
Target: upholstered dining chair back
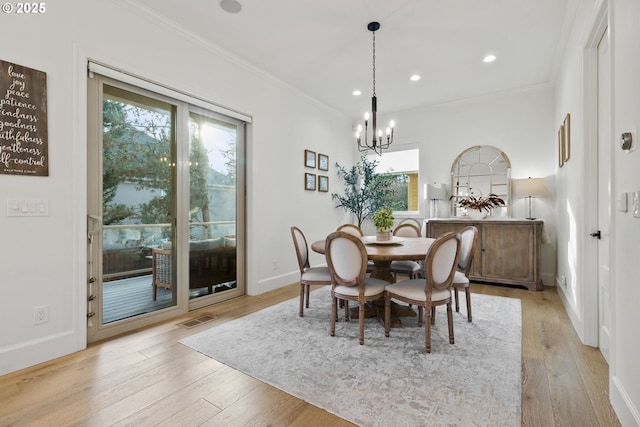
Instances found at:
x=346 y=257
x=441 y=262
x=351 y=229
x=412 y=221
x=302 y=249
x=406 y=230
x=468 y=239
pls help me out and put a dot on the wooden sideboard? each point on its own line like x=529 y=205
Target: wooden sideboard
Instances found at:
x=508 y=250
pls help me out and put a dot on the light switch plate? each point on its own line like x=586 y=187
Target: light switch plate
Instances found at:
x=27 y=207
x=621 y=202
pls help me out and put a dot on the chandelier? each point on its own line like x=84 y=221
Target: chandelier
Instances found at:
x=378 y=141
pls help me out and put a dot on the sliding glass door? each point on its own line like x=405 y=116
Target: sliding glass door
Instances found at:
x=212 y=203
x=163 y=202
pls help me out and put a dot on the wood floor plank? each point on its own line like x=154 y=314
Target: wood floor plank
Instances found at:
x=147 y=378
x=194 y=414
x=536 y=402
x=173 y=404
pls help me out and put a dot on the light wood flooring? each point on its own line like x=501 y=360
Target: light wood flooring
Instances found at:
x=147 y=378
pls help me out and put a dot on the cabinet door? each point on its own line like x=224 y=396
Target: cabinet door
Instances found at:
x=508 y=252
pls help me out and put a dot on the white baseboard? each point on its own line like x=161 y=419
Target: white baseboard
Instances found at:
x=274 y=282
x=626 y=411
x=548 y=279
x=37 y=351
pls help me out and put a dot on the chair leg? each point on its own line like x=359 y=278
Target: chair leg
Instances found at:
x=387 y=315
x=301 y=299
x=467 y=294
x=455 y=292
x=334 y=314
x=450 y=320
x=308 y=288
x=427 y=330
x=433 y=315
x=361 y=321
x=346 y=310
x=420 y=315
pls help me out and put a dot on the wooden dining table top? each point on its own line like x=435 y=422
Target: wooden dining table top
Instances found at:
x=406 y=248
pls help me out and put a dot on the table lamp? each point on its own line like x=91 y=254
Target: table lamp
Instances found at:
x=435 y=193
x=529 y=188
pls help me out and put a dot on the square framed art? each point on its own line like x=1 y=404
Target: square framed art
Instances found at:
x=310 y=181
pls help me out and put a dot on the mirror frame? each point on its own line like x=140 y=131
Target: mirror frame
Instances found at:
x=499 y=153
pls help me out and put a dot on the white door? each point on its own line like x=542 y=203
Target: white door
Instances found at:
x=604 y=193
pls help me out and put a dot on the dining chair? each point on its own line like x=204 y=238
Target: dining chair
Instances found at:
x=431 y=291
x=308 y=275
x=411 y=221
x=468 y=240
x=406 y=267
x=356 y=231
x=351 y=229
x=347 y=259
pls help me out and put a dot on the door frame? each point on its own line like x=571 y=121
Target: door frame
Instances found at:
x=600 y=23
x=183 y=303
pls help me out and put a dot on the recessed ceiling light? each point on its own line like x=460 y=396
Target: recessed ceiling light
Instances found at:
x=231 y=6
x=489 y=58
x=414 y=78
x=357 y=92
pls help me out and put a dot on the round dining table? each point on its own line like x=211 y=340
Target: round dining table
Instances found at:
x=382 y=253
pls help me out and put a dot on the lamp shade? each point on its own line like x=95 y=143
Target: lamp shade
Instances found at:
x=529 y=187
x=437 y=191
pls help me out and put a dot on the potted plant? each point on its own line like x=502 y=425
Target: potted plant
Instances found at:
x=364 y=190
x=475 y=205
x=383 y=221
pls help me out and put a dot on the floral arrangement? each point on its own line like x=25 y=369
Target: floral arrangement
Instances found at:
x=479 y=203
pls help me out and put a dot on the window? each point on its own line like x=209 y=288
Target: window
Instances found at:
x=404 y=166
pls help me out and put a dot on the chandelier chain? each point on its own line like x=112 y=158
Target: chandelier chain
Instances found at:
x=374 y=63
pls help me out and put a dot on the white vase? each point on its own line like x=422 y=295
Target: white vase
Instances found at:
x=383 y=236
x=476 y=214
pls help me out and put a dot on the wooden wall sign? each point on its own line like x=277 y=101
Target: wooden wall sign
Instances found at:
x=23 y=121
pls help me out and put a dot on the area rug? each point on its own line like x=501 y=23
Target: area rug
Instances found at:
x=387 y=381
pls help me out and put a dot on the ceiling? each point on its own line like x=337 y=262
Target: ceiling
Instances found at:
x=323 y=47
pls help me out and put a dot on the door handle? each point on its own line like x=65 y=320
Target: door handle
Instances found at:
x=596 y=234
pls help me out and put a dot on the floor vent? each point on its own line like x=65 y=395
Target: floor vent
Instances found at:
x=192 y=323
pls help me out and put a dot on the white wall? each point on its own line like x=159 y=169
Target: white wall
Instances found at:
x=43 y=259
x=519 y=123
x=624 y=372
x=574 y=195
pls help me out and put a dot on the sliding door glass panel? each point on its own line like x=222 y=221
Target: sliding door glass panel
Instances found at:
x=212 y=205
x=138 y=190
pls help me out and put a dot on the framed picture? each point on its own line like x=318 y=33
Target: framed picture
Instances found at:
x=561 y=146
x=567 y=137
x=310 y=158
x=310 y=181
x=323 y=162
x=323 y=183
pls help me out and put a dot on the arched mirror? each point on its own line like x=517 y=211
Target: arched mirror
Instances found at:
x=480 y=171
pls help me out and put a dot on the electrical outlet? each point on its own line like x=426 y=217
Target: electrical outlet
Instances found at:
x=563 y=281
x=40 y=314
x=275 y=264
